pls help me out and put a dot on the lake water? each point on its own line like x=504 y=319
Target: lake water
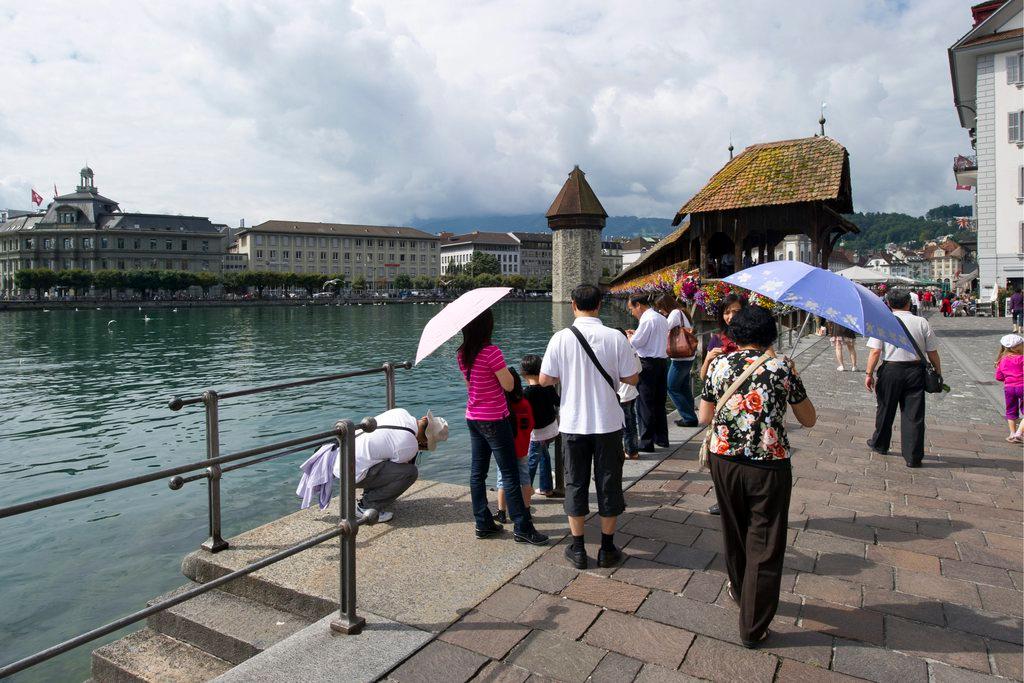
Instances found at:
x=83 y=402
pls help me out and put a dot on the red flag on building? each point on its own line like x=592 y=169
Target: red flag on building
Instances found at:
x=37 y=198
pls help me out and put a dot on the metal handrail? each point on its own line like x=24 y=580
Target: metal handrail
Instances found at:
x=343 y=433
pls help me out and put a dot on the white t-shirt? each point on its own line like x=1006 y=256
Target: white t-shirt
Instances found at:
x=918 y=328
x=651 y=336
x=381 y=445
x=915 y=299
x=589 y=405
x=676 y=318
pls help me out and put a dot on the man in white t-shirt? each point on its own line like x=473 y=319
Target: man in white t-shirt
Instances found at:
x=590 y=419
x=650 y=340
x=384 y=457
x=900 y=383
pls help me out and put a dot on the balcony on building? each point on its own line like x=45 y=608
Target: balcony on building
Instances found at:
x=965 y=170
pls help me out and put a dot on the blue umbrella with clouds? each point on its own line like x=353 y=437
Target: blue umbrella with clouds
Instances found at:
x=824 y=294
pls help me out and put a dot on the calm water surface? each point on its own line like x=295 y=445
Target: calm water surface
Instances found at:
x=83 y=402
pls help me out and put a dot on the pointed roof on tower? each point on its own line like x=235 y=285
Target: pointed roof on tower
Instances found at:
x=576 y=198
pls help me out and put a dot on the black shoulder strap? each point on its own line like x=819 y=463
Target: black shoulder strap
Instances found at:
x=920 y=354
x=590 y=353
x=404 y=429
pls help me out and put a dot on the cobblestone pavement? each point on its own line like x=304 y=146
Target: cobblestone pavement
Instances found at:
x=891 y=573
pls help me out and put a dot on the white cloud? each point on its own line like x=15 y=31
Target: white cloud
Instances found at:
x=378 y=111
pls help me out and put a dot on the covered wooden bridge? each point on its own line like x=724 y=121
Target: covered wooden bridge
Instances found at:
x=766 y=193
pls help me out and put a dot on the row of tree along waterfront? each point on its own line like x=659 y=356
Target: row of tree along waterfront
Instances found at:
x=173 y=283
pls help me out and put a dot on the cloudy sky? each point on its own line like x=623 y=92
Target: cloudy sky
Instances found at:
x=374 y=111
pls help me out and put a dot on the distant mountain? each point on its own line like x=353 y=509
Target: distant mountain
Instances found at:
x=616 y=226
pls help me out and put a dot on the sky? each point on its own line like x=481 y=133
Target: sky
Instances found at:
x=368 y=111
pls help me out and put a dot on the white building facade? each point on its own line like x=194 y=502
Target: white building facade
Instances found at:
x=459 y=249
x=987 y=69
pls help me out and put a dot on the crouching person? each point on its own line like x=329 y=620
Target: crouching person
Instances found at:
x=385 y=457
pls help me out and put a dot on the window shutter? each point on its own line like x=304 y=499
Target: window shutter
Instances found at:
x=1013 y=69
x=1013 y=132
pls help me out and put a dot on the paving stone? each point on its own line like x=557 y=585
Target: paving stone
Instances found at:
x=917 y=544
x=615 y=668
x=556 y=657
x=855 y=569
x=641 y=639
x=439 y=661
x=993 y=557
x=877 y=664
x=606 y=593
x=988 y=624
x=903 y=605
x=546 y=577
x=652 y=574
x=938 y=587
x=552 y=613
x=698 y=617
x=659 y=529
x=499 y=672
x=904 y=559
x=793 y=642
x=842 y=621
x=644 y=548
x=951 y=647
x=1002 y=541
x=829 y=544
x=508 y=602
x=652 y=673
x=976 y=573
x=704 y=587
x=485 y=634
x=829 y=589
x=1003 y=600
x=808 y=673
x=709 y=539
x=718 y=661
x=947 y=674
x=686 y=557
x=1008 y=658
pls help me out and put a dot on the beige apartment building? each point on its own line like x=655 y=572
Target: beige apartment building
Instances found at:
x=376 y=253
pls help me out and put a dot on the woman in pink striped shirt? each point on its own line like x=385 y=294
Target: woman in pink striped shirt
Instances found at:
x=490 y=430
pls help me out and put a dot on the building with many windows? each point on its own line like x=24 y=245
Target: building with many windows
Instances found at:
x=375 y=253
x=88 y=231
x=534 y=253
x=987 y=72
x=458 y=250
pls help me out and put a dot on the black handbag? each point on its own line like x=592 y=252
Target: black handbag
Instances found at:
x=932 y=379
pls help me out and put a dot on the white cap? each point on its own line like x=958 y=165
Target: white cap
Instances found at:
x=1011 y=340
x=436 y=431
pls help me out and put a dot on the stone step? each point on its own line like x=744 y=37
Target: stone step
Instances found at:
x=148 y=656
x=227 y=626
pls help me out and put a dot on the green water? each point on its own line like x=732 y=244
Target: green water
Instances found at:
x=83 y=402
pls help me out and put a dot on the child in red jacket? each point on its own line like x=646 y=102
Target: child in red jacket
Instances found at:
x=521 y=417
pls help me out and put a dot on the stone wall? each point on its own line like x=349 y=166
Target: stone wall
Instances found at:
x=576 y=260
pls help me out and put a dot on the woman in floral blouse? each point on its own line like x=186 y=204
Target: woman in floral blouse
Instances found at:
x=750 y=464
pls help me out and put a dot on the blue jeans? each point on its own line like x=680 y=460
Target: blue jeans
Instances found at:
x=680 y=390
x=494 y=437
x=630 y=438
x=524 y=473
x=540 y=461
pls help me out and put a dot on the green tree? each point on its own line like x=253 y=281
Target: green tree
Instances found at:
x=75 y=279
x=359 y=284
x=110 y=280
x=483 y=263
x=454 y=269
x=545 y=284
x=462 y=283
x=403 y=281
x=516 y=282
x=311 y=282
x=207 y=281
x=39 y=279
x=422 y=282
x=232 y=282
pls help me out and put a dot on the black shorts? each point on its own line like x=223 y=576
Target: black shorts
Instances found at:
x=604 y=453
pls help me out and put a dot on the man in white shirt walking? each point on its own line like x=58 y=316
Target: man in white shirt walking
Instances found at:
x=650 y=339
x=589 y=360
x=900 y=383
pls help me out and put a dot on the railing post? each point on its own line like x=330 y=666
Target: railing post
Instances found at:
x=389 y=378
x=348 y=621
x=214 y=543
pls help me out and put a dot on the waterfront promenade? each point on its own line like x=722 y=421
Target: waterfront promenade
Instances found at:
x=892 y=574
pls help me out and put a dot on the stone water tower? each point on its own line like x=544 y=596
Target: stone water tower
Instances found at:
x=576 y=219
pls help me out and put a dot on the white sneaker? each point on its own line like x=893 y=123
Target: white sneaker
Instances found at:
x=853 y=369
x=382 y=515
x=841 y=369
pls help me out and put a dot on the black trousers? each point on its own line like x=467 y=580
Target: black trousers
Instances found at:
x=652 y=420
x=755 y=509
x=900 y=385
x=604 y=452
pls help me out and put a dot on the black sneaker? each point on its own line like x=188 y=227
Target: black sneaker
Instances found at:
x=533 y=537
x=488 y=532
x=501 y=517
x=751 y=644
x=609 y=558
x=577 y=558
x=714 y=510
x=877 y=450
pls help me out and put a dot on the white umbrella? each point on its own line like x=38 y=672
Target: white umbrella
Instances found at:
x=864 y=275
x=455 y=316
